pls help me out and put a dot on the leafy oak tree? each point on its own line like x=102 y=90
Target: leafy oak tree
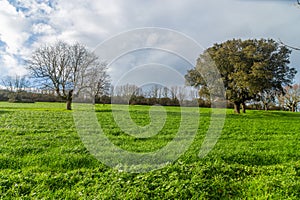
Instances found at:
x=247 y=68
x=63 y=67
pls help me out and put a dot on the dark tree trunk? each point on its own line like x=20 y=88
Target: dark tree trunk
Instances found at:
x=69 y=104
x=244 y=107
x=293 y=108
x=265 y=106
x=69 y=100
x=237 y=107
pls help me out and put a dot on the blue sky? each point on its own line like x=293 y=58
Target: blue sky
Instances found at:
x=27 y=24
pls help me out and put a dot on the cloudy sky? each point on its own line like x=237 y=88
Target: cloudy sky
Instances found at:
x=26 y=24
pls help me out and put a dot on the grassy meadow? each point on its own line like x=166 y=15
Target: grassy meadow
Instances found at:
x=42 y=157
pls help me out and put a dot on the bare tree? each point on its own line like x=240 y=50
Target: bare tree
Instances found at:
x=267 y=98
x=64 y=67
x=174 y=90
x=126 y=90
x=15 y=85
x=155 y=91
x=165 y=92
x=194 y=93
x=8 y=83
x=291 y=99
x=182 y=94
x=96 y=80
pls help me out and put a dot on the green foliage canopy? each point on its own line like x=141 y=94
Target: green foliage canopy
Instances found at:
x=247 y=68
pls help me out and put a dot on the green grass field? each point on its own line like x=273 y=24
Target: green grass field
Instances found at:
x=42 y=157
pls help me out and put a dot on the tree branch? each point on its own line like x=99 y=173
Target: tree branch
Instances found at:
x=291 y=47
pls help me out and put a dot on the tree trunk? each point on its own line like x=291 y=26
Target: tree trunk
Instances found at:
x=293 y=108
x=244 y=107
x=69 y=104
x=69 y=100
x=265 y=106
x=237 y=107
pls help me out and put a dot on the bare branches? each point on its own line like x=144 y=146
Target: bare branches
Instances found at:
x=15 y=83
x=291 y=99
x=67 y=68
x=288 y=46
x=50 y=64
x=291 y=47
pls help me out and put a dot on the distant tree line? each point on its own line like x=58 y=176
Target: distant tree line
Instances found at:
x=20 y=89
x=27 y=97
x=154 y=94
x=133 y=95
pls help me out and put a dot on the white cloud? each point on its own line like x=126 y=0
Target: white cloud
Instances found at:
x=13 y=25
x=86 y=21
x=92 y=21
x=42 y=28
x=12 y=66
x=33 y=8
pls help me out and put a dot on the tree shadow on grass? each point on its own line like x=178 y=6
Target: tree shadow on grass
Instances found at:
x=285 y=114
x=253 y=159
x=264 y=114
x=2 y=112
x=103 y=110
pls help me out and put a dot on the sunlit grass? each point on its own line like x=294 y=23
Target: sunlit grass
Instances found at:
x=42 y=156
